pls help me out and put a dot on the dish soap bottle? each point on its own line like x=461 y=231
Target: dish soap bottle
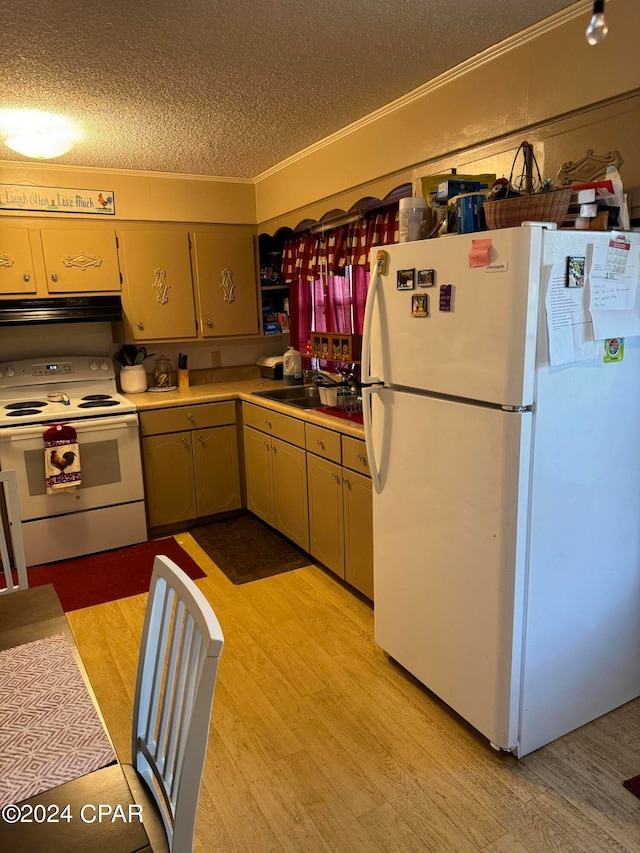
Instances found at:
x=292 y=367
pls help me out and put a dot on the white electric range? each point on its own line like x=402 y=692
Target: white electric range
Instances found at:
x=107 y=509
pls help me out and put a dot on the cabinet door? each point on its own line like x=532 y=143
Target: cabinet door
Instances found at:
x=215 y=459
x=259 y=477
x=290 y=492
x=157 y=270
x=326 y=526
x=16 y=266
x=358 y=527
x=226 y=281
x=80 y=260
x=168 y=474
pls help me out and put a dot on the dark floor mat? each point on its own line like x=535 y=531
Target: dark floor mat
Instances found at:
x=246 y=550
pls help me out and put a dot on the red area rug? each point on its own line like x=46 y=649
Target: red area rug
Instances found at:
x=85 y=581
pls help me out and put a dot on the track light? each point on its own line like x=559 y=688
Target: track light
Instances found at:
x=597 y=29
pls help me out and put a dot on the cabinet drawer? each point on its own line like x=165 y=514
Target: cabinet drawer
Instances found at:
x=275 y=424
x=187 y=417
x=354 y=455
x=323 y=442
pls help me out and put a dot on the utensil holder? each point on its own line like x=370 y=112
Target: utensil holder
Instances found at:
x=183 y=378
x=133 y=379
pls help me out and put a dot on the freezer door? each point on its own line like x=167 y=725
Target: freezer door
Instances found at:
x=484 y=347
x=449 y=556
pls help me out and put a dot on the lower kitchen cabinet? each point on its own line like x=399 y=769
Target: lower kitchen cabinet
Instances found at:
x=190 y=472
x=340 y=521
x=277 y=484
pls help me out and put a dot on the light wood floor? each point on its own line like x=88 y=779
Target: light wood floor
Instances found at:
x=319 y=742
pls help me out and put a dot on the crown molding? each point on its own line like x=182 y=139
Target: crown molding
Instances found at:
x=490 y=54
x=137 y=173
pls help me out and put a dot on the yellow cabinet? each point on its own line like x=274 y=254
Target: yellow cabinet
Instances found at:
x=159 y=290
x=340 y=506
x=358 y=527
x=80 y=260
x=226 y=282
x=55 y=261
x=276 y=471
x=17 y=272
x=190 y=462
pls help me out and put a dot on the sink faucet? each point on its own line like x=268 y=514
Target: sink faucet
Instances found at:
x=319 y=377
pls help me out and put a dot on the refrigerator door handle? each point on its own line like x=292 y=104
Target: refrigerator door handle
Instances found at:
x=365 y=376
x=367 y=393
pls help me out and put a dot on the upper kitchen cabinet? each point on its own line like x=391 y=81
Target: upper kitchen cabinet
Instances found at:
x=17 y=272
x=80 y=261
x=159 y=291
x=224 y=270
x=51 y=261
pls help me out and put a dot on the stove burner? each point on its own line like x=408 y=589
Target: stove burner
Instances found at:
x=93 y=404
x=26 y=405
x=97 y=397
x=21 y=412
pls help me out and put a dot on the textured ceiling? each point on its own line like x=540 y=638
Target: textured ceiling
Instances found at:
x=231 y=87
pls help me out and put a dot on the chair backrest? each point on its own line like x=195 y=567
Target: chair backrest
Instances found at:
x=11 y=537
x=177 y=669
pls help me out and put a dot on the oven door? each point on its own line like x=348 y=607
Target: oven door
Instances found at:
x=110 y=463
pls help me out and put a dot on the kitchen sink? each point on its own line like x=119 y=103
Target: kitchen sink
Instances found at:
x=301 y=396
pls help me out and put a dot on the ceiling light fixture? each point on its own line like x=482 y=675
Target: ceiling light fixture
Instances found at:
x=38 y=134
x=597 y=29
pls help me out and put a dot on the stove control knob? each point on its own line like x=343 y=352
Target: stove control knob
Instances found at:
x=104 y=365
x=9 y=372
x=93 y=365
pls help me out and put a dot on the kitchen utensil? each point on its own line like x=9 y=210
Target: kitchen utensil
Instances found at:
x=140 y=355
x=127 y=355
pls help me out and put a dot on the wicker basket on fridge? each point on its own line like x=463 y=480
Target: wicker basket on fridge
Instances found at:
x=539 y=207
x=530 y=203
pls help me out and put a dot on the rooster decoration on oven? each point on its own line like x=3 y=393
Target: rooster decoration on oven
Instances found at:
x=61 y=458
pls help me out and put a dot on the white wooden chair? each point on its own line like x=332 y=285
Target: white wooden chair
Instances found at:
x=177 y=669
x=11 y=544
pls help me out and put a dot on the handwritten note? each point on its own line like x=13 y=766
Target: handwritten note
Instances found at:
x=613 y=287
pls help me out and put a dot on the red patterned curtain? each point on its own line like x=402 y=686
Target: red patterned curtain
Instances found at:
x=328 y=274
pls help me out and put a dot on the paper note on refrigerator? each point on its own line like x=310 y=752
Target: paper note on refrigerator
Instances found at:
x=613 y=287
x=568 y=323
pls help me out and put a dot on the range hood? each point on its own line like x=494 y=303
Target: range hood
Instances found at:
x=68 y=309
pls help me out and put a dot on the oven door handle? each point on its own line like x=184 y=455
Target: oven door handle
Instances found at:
x=82 y=427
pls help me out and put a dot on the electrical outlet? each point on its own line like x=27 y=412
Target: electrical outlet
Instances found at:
x=216 y=358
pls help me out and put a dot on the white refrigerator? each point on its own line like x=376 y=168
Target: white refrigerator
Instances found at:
x=506 y=504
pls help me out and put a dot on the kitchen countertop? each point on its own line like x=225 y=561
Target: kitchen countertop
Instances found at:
x=241 y=389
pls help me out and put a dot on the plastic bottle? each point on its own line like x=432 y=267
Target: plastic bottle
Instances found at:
x=292 y=367
x=412 y=217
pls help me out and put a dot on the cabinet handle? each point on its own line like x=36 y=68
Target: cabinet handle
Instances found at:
x=362 y=459
x=266 y=444
x=190 y=417
x=26 y=277
x=268 y=423
x=54 y=277
x=185 y=442
x=335 y=477
x=209 y=322
x=140 y=325
x=347 y=483
x=201 y=439
x=320 y=443
x=274 y=448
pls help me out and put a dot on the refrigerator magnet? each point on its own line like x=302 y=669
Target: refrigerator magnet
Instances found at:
x=406 y=279
x=419 y=305
x=426 y=278
x=446 y=294
x=575 y=271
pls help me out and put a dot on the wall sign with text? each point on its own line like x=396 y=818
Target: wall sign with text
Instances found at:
x=56 y=199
